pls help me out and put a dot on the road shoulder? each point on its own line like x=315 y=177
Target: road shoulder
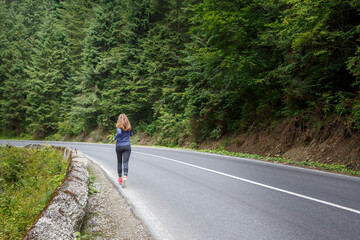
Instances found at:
x=108 y=215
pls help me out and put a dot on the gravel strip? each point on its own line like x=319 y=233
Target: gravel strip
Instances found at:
x=108 y=215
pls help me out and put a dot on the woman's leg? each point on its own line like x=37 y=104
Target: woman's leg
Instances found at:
x=126 y=154
x=119 y=160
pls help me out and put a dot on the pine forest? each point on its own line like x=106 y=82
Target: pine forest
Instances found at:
x=194 y=69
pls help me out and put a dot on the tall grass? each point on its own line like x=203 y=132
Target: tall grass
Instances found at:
x=28 y=177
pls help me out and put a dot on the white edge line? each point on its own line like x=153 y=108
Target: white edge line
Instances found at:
x=340 y=175
x=263 y=162
x=256 y=183
x=157 y=229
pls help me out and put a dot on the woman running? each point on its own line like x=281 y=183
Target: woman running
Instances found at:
x=123 y=148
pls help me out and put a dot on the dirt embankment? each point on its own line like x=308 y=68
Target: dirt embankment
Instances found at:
x=300 y=140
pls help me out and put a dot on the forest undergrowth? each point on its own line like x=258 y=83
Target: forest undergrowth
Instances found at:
x=306 y=140
x=329 y=144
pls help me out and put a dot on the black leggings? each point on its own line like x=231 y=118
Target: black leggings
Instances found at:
x=120 y=152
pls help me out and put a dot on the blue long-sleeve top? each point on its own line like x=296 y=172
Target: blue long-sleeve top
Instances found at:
x=122 y=137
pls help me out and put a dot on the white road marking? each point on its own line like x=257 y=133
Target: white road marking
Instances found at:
x=156 y=227
x=238 y=178
x=256 y=183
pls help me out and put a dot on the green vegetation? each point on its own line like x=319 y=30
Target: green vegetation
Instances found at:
x=179 y=69
x=91 y=187
x=313 y=164
x=82 y=234
x=86 y=236
x=28 y=178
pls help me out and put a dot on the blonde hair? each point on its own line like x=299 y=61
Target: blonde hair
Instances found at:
x=123 y=122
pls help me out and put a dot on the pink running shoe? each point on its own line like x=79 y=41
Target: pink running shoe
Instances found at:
x=120 y=180
x=125 y=180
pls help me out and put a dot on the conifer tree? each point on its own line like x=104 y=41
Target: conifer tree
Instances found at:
x=3 y=67
x=163 y=66
x=47 y=73
x=94 y=72
x=128 y=89
x=73 y=16
x=14 y=55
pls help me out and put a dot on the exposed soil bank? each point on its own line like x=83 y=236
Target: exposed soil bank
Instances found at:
x=298 y=140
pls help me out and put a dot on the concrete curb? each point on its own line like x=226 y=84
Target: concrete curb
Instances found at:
x=65 y=212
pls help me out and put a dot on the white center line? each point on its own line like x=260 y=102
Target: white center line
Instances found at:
x=256 y=183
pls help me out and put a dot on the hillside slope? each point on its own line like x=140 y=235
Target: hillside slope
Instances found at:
x=298 y=140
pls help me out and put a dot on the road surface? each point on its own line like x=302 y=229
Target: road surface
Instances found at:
x=182 y=194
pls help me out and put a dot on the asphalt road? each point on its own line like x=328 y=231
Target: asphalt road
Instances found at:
x=183 y=194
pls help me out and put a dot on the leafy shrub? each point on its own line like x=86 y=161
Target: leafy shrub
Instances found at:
x=216 y=133
x=69 y=128
x=28 y=177
x=356 y=114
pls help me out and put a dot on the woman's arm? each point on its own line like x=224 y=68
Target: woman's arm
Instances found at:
x=118 y=132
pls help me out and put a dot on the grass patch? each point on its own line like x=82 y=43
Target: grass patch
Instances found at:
x=22 y=136
x=28 y=178
x=314 y=164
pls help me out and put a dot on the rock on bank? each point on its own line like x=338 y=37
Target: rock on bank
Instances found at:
x=65 y=211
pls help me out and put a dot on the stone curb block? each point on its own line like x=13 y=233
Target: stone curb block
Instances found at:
x=66 y=210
